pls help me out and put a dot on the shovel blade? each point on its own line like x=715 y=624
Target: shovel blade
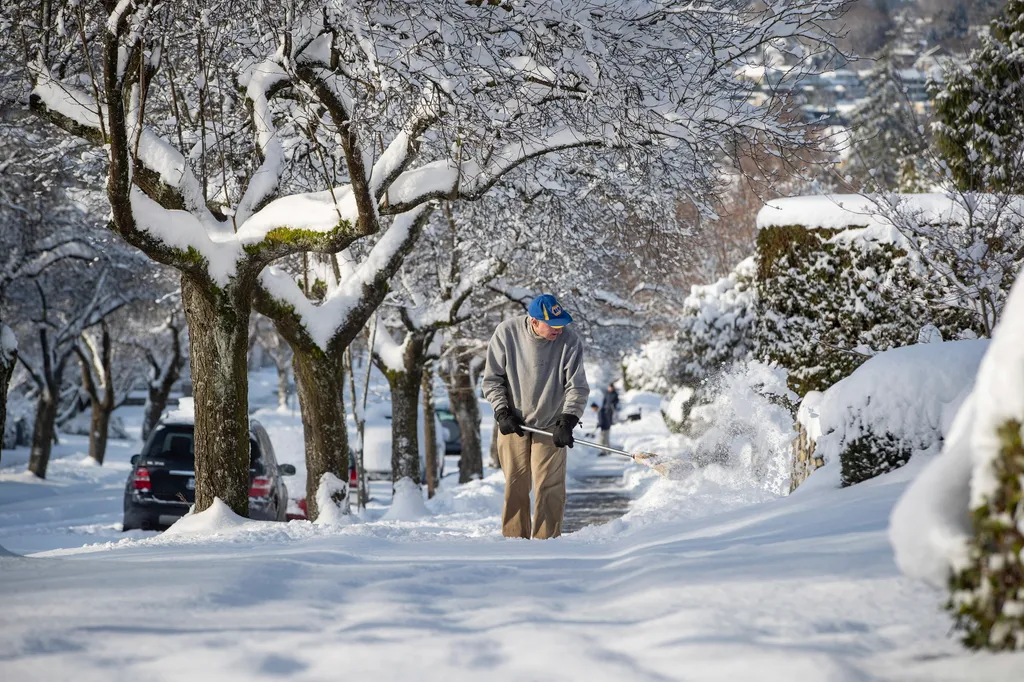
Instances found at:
x=669 y=468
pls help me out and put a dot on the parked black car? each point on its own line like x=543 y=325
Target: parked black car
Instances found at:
x=162 y=484
x=452 y=435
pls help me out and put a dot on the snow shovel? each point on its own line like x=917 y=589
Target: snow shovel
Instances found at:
x=647 y=459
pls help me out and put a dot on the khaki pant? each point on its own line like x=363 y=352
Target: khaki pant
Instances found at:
x=532 y=460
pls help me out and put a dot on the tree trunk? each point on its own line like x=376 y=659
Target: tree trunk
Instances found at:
x=8 y=356
x=405 y=450
x=320 y=381
x=283 y=377
x=218 y=321
x=99 y=426
x=156 y=402
x=429 y=433
x=42 y=434
x=159 y=388
x=467 y=413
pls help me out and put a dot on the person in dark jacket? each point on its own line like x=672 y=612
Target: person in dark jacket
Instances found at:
x=605 y=416
x=611 y=400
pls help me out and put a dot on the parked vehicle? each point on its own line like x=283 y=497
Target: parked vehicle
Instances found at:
x=377 y=442
x=452 y=434
x=161 y=486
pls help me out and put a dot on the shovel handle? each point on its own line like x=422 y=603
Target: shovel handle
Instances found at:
x=542 y=432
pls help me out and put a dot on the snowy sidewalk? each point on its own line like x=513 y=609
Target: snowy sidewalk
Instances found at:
x=798 y=589
x=709 y=578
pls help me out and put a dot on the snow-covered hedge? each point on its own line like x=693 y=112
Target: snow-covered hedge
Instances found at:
x=894 y=405
x=962 y=519
x=832 y=280
x=717 y=328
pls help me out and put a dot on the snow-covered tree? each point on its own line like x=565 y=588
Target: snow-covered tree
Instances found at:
x=979 y=128
x=152 y=84
x=431 y=293
x=105 y=382
x=887 y=139
x=717 y=327
x=968 y=248
x=62 y=318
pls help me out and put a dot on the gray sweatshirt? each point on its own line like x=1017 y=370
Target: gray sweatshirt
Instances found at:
x=533 y=377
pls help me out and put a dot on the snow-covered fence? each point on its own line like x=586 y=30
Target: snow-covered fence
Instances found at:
x=835 y=285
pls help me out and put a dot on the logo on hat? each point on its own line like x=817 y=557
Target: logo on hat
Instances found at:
x=556 y=310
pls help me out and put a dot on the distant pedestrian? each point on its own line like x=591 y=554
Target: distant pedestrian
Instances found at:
x=605 y=416
x=534 y=376
x=611 y=400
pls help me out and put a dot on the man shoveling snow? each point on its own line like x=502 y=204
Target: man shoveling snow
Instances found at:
x=534 y=375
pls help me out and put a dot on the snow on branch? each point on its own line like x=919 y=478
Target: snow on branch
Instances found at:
x=520 y=295
x=263 y=78
x=617 y=301
x=319 y=323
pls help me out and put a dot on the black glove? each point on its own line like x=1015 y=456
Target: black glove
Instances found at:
x=509 y=423
x=562 y=433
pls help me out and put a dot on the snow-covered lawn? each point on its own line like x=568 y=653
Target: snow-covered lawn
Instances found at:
x=710 y=578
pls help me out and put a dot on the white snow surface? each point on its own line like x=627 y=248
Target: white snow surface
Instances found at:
x=847 y=211
x=931 y=522
x=217 y=519
x=705 y=578
x=330 y=513
x=407 y=504
x=908 y=392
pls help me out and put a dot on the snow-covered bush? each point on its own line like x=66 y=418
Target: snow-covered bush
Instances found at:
x=746 y=422
x=893 y=406
x=651 y=367
x=836 y=285
x=676 y=409
x=962 y=520
x=717 y=325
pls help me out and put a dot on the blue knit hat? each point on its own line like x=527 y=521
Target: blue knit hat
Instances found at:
x=548 y=310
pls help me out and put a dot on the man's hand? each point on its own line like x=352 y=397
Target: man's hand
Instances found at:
x=509 y=423
x=562 y=433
